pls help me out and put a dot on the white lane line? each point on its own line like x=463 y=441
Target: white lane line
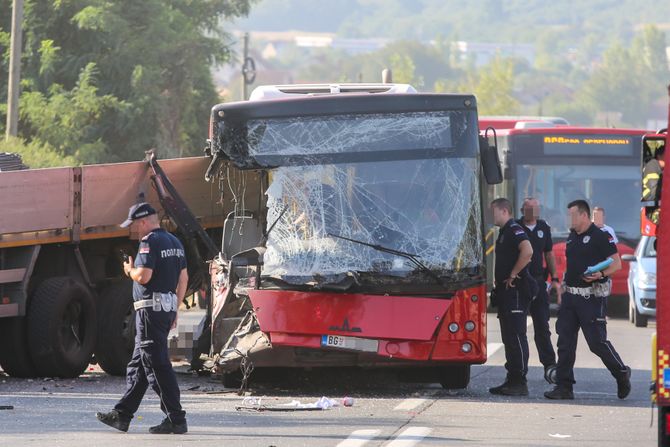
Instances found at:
x=359 y=438
x=411 y=436
x=410 y=404
x=492 y=348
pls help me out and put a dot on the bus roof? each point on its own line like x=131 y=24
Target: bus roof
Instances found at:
x=511 y=122
x=265 y=92
x=573 y=130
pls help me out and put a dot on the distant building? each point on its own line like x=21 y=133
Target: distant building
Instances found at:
x=483 y=53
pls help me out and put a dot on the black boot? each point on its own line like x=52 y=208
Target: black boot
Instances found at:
x=623 y=383
x=115 y=420
x=560 y=393
x=511 y=387
x=166 y=427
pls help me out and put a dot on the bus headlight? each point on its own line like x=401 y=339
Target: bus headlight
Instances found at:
x=466 y=347
x=453 y=327
x=469 y=326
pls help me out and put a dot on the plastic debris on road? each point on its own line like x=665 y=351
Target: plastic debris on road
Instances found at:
x=324 y=403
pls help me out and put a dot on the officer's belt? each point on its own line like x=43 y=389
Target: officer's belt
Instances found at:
x=141 y=304
x=166 y=302
x=586 y=292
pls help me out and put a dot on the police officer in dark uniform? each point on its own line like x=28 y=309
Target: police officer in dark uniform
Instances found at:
x=159 y=284
x=512 y=295
x=584 y=303
x=539 y=234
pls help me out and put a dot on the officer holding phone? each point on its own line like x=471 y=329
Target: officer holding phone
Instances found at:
x=160 y=280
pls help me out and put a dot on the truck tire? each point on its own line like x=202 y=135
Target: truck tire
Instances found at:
x=455 y=377
x=14 y=352
x=61 y=327
x=116 y=328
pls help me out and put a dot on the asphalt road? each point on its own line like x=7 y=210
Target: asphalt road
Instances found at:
x=385 y=412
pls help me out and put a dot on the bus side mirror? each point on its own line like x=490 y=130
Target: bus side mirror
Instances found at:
x=490 y=162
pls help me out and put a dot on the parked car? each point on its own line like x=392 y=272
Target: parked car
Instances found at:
x=642 y=282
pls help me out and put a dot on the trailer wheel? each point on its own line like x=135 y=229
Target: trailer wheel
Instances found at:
x=116 y=328
x=61 y=327
x=454 y=377
x=14 y=352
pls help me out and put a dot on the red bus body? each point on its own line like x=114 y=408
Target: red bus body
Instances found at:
x=408 y=328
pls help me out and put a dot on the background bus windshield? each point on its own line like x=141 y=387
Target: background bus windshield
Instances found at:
x=615 y=188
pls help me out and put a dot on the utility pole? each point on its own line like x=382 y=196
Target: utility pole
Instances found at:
x=248 y=68
x=14 y=70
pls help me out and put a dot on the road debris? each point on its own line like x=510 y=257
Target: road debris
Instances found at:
x=324 y=403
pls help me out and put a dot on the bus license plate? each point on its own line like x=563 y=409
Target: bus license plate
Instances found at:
x=353 y=343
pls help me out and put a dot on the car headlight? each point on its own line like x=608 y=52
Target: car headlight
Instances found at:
x=645 y=280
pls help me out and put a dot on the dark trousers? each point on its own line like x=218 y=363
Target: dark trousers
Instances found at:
x=590 y=315
x=512 y=313
x=539 y=312
x=150 y=365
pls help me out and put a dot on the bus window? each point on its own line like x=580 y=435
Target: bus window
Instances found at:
x=556 y=186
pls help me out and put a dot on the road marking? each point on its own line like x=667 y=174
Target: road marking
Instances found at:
x=597 y=393
x=492 y=348
x=410 y=404
x=359 y=438
x=411 y=436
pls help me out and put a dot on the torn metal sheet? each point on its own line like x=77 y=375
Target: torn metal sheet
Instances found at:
x=245 y=341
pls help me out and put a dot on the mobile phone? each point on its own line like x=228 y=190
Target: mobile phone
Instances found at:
x=124 y=255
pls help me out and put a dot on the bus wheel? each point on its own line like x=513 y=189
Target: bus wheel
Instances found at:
x=14 y=351
x=454 y=377
x=61 y=327
x=116 y=328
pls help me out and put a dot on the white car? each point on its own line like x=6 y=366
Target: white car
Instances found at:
x=642 y=282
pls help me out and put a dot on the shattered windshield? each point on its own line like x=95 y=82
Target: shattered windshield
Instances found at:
x=407 y=182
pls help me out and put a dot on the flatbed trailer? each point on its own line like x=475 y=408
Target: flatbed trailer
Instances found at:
x=64 y=300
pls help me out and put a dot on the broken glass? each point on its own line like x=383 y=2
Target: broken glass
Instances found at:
x=407 y=181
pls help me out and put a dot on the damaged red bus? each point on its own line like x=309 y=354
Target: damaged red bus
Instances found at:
x=354 y=230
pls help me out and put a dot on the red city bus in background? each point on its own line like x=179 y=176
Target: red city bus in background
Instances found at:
x=560 y=163
x=354 y=234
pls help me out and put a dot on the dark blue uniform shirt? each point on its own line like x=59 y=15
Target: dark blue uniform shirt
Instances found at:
x=164 y=254
x=507 y=249
x=584 y=250
x=540 y=240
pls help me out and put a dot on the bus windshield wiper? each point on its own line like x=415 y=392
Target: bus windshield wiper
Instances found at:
x=412 y=258
x=267 y=233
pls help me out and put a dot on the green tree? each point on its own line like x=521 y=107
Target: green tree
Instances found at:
x=120 y=76
x=630 y=79
x=494 y=87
